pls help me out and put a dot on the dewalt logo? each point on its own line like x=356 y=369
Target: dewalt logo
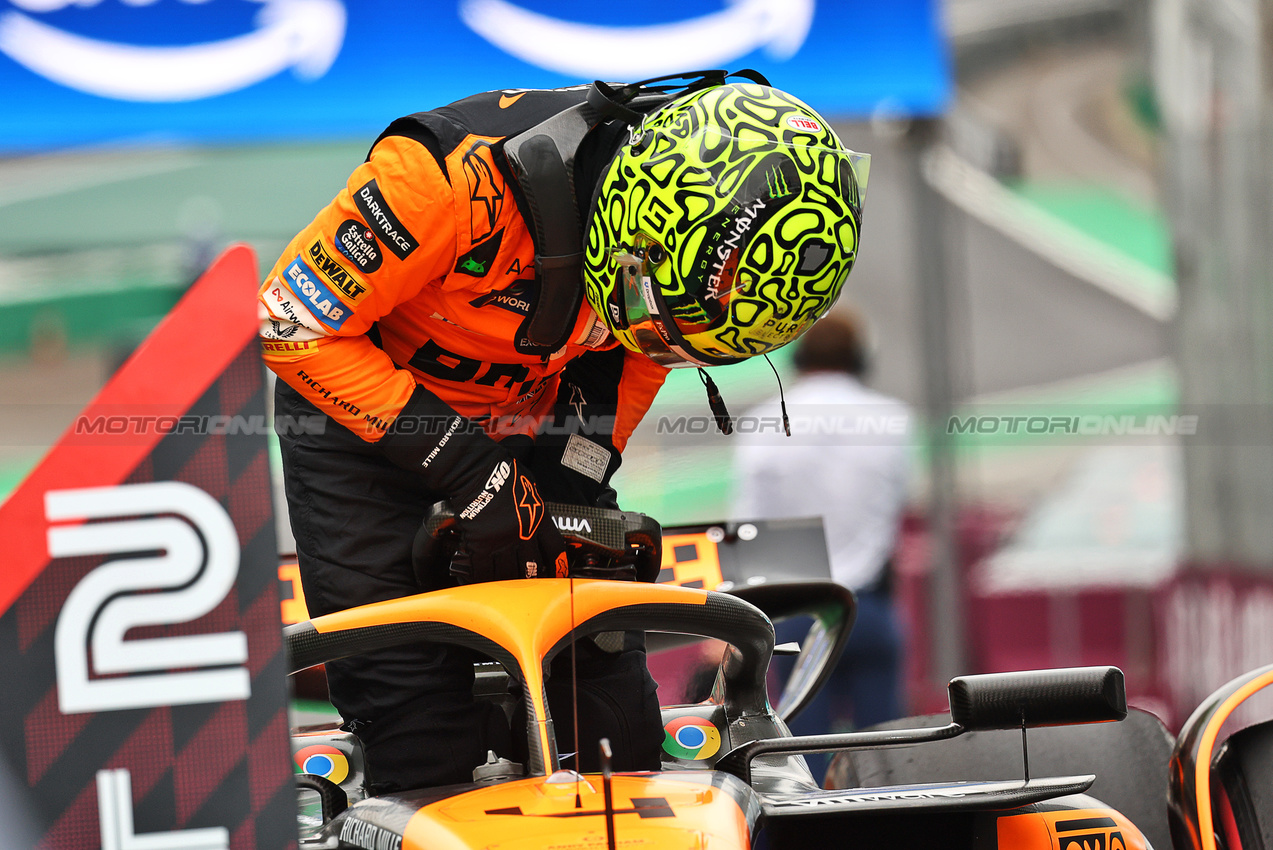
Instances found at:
x=349 y=284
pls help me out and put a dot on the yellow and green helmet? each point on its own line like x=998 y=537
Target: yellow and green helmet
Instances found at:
x=724 y=227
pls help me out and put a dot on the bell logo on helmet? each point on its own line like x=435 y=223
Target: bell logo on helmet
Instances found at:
x=803 y=123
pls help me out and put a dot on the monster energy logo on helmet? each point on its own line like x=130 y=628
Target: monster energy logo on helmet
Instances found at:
x=722 y=267
x=739 y=210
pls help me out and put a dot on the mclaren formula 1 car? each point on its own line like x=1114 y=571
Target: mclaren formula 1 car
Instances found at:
x=732 y=775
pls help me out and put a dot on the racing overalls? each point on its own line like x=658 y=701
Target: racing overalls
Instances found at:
x=414 y=286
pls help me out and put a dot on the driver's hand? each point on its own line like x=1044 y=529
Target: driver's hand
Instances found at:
x=505 y=530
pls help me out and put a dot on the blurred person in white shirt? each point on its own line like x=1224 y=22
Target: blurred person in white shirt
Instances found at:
x=846 y=461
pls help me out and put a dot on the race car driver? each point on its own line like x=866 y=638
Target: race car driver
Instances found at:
x=484 y=314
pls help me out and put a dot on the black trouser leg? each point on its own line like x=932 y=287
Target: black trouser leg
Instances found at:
x=355 y=515
x=617 y=700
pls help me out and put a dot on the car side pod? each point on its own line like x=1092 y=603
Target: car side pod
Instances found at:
x=1022 y=700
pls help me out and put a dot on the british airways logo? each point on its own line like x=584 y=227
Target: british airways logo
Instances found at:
x=304 y=35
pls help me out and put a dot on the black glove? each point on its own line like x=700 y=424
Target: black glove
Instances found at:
x=505 y=529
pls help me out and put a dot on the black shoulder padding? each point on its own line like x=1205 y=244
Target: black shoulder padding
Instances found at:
x=427 y=129
x=543 y=158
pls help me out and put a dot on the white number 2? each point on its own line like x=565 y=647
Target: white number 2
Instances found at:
x=196 y=567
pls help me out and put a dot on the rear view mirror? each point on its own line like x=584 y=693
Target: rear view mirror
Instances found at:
x=1038 y=698
x=833 y=609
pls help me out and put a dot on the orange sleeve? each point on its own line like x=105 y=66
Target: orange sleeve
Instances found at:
x=639 y=383
x=390 y=232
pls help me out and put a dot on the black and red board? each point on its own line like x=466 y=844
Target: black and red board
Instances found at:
x=144 y=681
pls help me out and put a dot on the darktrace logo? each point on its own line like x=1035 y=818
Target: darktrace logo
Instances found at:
x=356 y=241
x=371 y=203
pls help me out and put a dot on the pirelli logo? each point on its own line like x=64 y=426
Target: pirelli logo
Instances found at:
x=341 y=278
x=282 y=346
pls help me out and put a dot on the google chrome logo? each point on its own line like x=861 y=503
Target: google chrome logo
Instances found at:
x=322 y=760
x=691 y=738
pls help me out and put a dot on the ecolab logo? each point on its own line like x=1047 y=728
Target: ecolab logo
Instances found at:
x=304 y=35
x=305 y=283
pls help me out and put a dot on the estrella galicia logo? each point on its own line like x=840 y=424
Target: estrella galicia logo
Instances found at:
x=304 y=35
x=371 y=203
x=356 y=241
x=477 y=260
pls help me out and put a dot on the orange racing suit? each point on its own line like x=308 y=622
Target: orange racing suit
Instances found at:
x=428 y=244
x=408 y=294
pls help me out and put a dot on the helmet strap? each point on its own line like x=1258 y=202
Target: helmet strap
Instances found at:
x=782 y=401
x=723 y=420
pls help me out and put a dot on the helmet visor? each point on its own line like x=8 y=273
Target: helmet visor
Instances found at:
x=768 y=233
x=646 y=323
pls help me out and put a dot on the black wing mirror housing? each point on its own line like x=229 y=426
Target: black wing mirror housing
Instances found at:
x=1032 y=698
